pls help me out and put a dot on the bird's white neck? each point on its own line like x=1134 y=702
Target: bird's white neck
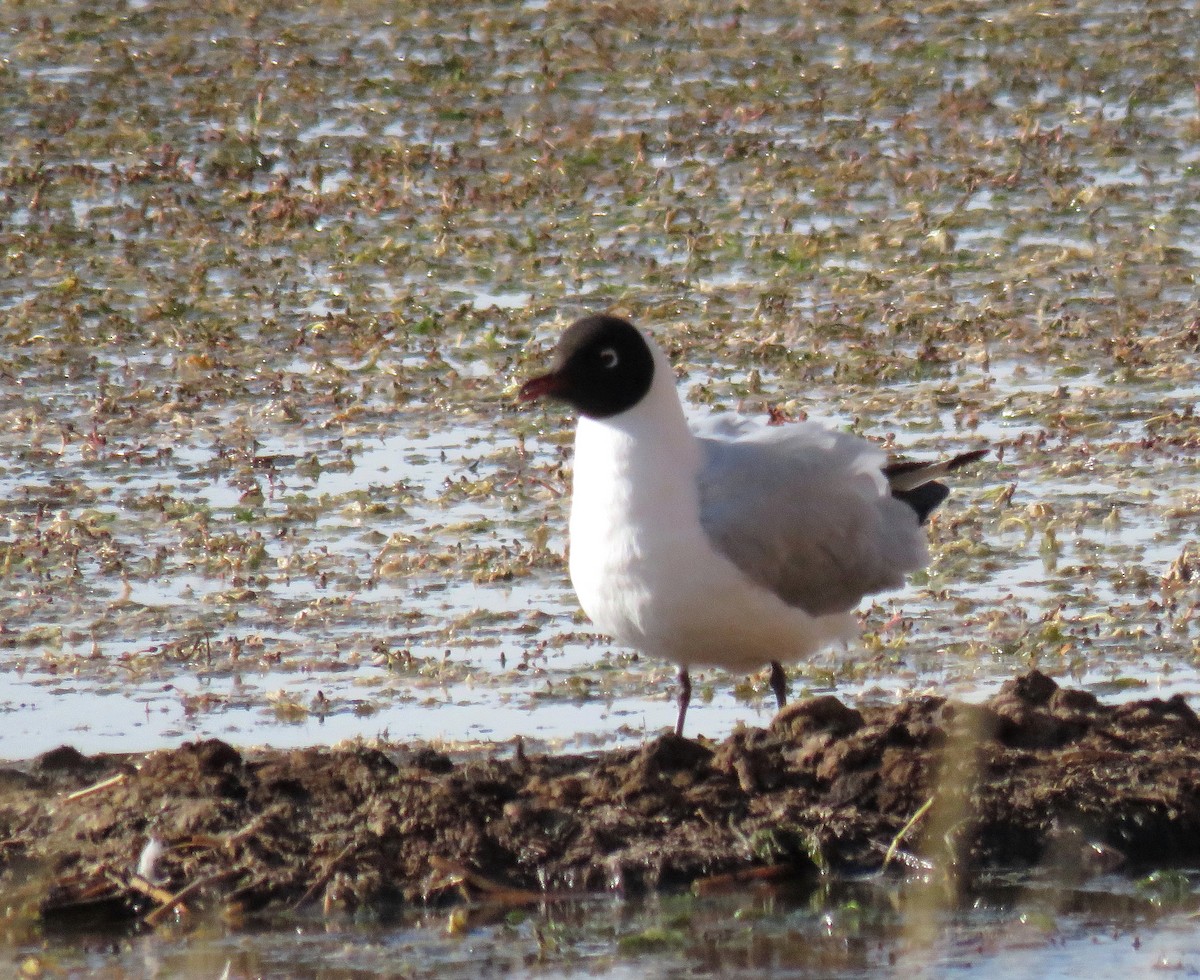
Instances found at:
x=644 y=460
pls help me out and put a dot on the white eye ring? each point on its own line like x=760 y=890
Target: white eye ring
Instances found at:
x=608 y=357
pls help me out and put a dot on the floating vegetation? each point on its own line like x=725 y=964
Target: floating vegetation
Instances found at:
x=271 y=277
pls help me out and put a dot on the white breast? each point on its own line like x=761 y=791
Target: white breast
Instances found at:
x=642 y=566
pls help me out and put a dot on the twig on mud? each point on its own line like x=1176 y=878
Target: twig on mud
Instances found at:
x=87 y=889
x=912 y=822
x=459 y=874
x=139 y=884
x=772 y=874
x=325 y=874
x=156 y=916
x=104 y=784
x=253 y=827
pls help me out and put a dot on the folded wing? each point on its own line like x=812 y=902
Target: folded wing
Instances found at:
x=813 y=515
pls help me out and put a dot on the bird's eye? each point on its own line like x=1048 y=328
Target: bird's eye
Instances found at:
x=608 y=357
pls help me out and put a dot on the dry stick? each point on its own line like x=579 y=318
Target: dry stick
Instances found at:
x=89 y=888
x=139 y=884
x=324 y=876
x=160 y=913
x=96 y=787
x=458 y=873
x=771 y=874
x=253 y=827
x=912 y=822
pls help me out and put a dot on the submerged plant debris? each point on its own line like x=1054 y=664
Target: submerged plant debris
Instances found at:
x=1036 y=777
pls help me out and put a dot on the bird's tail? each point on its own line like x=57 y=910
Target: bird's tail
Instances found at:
x=915 y=483
x=910 y=474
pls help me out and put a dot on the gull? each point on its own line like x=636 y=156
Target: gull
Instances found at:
x=731 y=544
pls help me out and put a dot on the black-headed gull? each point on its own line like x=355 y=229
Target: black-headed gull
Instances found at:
x=733 y=545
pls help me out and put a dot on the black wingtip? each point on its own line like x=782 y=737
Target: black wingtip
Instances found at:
x=904 y=467
x=965 y=459
x=925 y=499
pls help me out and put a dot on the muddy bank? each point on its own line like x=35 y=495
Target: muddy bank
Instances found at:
x=1038 y=775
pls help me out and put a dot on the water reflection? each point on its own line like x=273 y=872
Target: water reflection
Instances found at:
x=845 y=928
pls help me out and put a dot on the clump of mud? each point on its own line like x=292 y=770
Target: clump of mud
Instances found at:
x=1036 y=775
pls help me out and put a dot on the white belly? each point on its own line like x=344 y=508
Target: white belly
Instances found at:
x=646 y=574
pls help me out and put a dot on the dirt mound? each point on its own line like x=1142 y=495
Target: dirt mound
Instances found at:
x=1037 y=775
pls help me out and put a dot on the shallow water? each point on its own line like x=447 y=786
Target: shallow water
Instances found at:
x=847 y=929
x=314 y=634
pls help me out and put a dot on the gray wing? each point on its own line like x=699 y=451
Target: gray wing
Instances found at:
x=807 y=513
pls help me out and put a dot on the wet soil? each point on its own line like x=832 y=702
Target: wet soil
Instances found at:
x=1037 y=776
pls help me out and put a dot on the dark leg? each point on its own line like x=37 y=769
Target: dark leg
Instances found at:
x=685 y=697
x=779 y=682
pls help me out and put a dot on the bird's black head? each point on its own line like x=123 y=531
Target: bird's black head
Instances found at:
x=602 y=366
